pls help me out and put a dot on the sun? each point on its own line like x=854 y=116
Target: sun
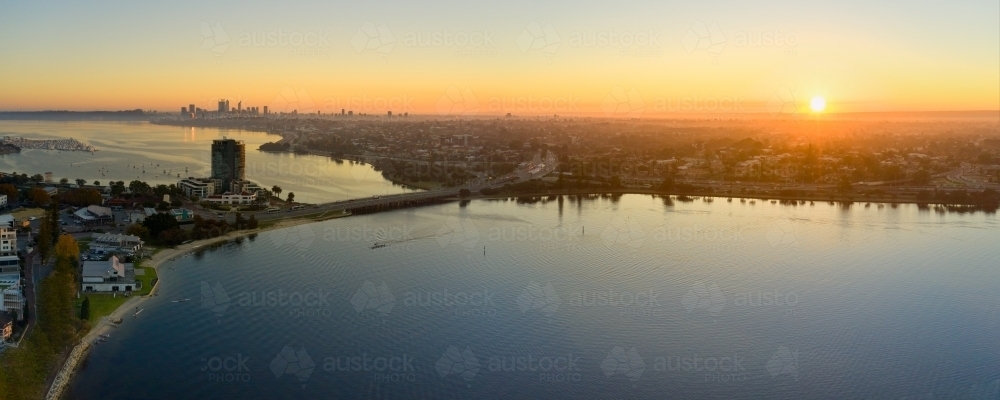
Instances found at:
x=818 y=104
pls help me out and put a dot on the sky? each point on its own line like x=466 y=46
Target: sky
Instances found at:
x=588 y=58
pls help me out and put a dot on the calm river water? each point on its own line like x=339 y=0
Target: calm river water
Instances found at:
x=631 y=297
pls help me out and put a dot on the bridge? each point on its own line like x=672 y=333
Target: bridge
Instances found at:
x=386 y=202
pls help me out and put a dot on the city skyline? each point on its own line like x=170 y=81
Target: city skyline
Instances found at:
x=520 y=58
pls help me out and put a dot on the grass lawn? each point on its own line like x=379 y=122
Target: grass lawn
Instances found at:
x=101 y=305
x=84 y=245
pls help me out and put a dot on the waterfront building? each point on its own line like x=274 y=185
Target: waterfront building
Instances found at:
x=228 y=161
x=94 y=215
x=201 y=187
x=108 y=276
x=242 y=198
x=109 y=242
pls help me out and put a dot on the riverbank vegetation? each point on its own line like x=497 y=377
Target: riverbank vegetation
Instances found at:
x=23 y=370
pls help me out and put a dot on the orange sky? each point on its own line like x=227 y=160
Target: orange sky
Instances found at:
x=523 y=58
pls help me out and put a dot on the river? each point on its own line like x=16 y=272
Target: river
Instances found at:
x=127 y=149
x=630 y=297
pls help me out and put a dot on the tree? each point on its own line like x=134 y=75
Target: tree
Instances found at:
x=52 y=220
x=159 y=222
x=81 y=182
x=464 y=192
x=38 y=178
x=81 y=197
x=85 y=309
x=10 y=191
x=97 y=183
x=117 y=188
x=845 y=184
x=291 y=197
x=139 y=187
x=276 y=190
x=252 y=222
x=240 y=221
x=39 y=196
x=64 y=181
x=172 y=236
x=139 y=230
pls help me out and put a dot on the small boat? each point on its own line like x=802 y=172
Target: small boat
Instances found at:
x=378 y=245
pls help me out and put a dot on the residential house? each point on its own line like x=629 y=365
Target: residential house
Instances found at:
x=108 y=276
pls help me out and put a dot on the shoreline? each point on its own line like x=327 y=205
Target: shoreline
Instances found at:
x=82 y=348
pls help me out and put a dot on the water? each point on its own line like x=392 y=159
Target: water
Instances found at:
x=717 y=300
x=128 y=148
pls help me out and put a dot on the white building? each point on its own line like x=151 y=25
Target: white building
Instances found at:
x=201 y=187
x=94 y=215
x=108 y=276
x=10 y=265
x=233 y=198
x=3 y=201
x=115 y=242
x=12 y=297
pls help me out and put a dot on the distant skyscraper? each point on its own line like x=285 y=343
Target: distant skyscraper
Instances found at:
x=222 y=106
x=390 y=114
x=265 y=109
x=350 y=113
x=239 y=106
x=228 y=161
x=341 y=111
x=184 y=110
x=191 y=108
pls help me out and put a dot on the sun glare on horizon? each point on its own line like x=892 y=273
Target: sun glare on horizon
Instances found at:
x=817 y=104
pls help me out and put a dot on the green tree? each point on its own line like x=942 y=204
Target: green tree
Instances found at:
x=139 y=187
x=97 y=183
x=85 y=309
x=159 y=222
x=276 y=190
x=63 y=181
x=81 y=182
x=291 y=197
x=240 y=221
x=52 y=220
x=138 y=230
